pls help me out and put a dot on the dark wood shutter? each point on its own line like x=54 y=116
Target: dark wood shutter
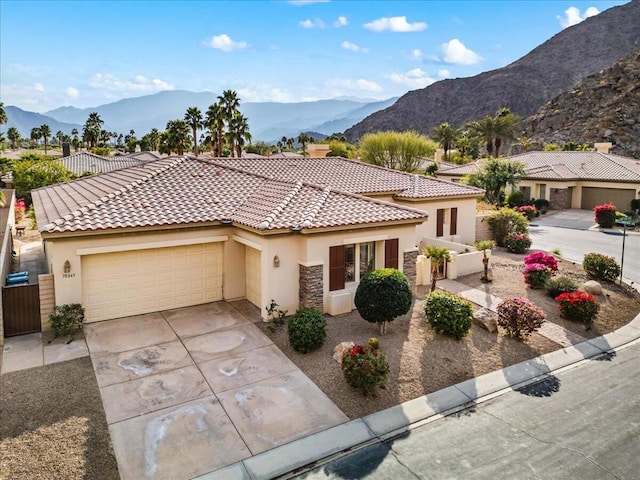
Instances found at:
x=391 y=253
x=336 y=268
x=453 y=227
x=440 y=222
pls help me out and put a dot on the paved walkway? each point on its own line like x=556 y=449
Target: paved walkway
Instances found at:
x=29 y=351
x=552 y=331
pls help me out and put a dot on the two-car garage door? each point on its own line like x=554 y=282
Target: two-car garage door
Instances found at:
x=129 y=283
x=620 y=197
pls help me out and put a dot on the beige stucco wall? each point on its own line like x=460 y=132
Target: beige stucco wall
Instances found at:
x=466 y=231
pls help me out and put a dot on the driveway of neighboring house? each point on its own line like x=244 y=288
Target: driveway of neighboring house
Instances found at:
x=575 y=219
x=192 y=390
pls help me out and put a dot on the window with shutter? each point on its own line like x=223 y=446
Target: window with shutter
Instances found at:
x=440 y=222
x=453 y=226
x=336 y=268
x=391 y=253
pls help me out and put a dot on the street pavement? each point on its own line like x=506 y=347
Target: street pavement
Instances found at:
x=583 y=422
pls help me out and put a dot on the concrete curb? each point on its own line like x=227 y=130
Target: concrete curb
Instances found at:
x=309 y=452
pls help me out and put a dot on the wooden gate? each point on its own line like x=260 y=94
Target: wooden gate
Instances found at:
x=21 y=309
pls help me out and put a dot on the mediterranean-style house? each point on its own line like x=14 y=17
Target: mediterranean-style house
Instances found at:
x=570 y=179
x=183 y=231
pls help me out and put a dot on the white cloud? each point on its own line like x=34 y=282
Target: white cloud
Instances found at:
x=140 y=84
x=265 y=93
x=38 y=87
x=416 y=54
x=72 y=92
x=455 y=52
x=443 y=73
x=353 y=47
x=360 y=84
x=308 y=23
x=224 y=43
x=416 y=78
x=341 y=22
x=572 y=16
x=395 y=24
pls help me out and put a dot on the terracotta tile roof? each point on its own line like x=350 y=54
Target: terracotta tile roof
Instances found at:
x=80 y=163
x=143 y=156
x=350 y=176
x=568 y=166
x=189 y=191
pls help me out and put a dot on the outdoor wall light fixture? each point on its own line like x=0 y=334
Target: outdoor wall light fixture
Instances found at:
x=67 y=266
x=276 y=261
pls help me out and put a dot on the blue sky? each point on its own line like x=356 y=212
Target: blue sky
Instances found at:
x=87 y=53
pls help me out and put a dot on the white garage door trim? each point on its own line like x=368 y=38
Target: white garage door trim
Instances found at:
x=134 y=282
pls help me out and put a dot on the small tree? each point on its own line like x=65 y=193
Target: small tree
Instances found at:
x=485 y=245
x=397 y=150
x=494 y=176
x=437 y=256
x=383 y=295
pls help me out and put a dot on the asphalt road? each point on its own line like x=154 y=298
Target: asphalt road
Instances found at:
x=574 y=244
x=583 y=424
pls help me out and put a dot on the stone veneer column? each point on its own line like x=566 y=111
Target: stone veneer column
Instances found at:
x=409 y=266
x=311 y=290
x=559 y=199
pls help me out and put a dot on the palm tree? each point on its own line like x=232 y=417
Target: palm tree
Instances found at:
x=154 y=138
x=506 y=127
x=438 y=256
x=193 y=116
x=485 y=245
x=35 y=135
x=214 y=122
x=303 y=139
x=14 y=137
x=177 y=136
x=229 y=103
x=238 y=133
x=485 y=128
x=3 y=115
x=92 y=128
x=46 y=133
x=445 y=135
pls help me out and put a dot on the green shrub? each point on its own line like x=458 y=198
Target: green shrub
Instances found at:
x=515 y=198
x=365 y=368
x=635 y=204
x=507 y=221
x=307 y=330
x=67 y=320
x=557 y=285
x=448 y=313
x=578 y=306
x=601 y=267
x=519 y=317
x=541 y=204
x=383 y=295
x=517 y=242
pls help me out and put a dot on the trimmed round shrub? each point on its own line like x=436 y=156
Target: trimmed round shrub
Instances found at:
x=365 y=368
x=517 y=242
x=540 y=257
x=383 y=295
x=519 y=317
x=536 y=275
x=307 y=330
x=515 y=198
x=541 y=204
x=605 y=215
x=448 y=313
x=601 y=267
x=557 y=285
x=505 y=222
x=578 y=306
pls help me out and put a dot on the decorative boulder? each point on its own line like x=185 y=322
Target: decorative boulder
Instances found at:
x=486 y=319
x=338 y=352
x=593 y=287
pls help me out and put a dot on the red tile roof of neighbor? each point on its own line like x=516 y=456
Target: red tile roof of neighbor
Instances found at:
x=568 y=166
x=183 y=191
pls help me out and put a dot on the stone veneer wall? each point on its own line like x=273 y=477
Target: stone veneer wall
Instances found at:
x=47 y=299
x=409 y=266
x=483 y=230
x=311 y=293
x=559 y=199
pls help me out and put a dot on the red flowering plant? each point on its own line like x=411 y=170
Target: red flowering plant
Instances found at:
x=536 y=275
x=528 y=211
x=605 y=215
x=542 y=258
x=519 y=317
x=365 y=368
x=578 y=306
x=20 y=207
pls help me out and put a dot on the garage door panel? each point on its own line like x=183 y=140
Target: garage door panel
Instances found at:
x=620 y=197
x=131 y=283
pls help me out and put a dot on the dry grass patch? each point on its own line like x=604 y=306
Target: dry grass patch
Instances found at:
x=53 y=424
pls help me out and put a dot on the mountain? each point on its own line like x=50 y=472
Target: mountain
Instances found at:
x=604 y=107
x=24 y=121
x=267 y=120
x=524 y=85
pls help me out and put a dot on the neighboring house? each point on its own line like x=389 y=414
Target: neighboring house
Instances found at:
x=84 y=162
x=318 y=149
x=571 y=179
x=143 y=156
x=185 y=231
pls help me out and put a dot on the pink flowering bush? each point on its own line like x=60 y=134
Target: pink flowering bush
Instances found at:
x=20 y=208
x=578 y=306
x=519 y=317
x=536 y=275
x=528 y=211
x=365 y=368
x=605 y=215
x=517 y=242
x=542 y=258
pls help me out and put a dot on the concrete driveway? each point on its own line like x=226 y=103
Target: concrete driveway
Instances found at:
x=192 y=390
x=575 y=219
